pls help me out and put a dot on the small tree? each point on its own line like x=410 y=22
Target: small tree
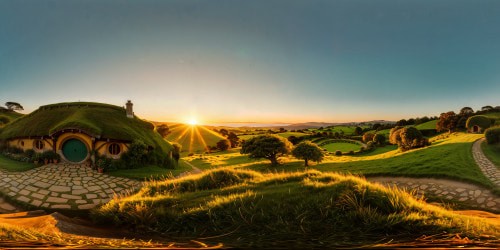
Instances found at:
x=233 y=139
x=484 y=108
x=379 y=139
x=492 y=135
x=176 y=152
x=407 y=138
x=358 y=131
x=267 y=146
x=368 y=137
x=163 y=130
x=14 y=106
x=293 y=139
x=223 y=132
x=447 y=121
x=223 y=145
x=466 y=111
x=307 y=150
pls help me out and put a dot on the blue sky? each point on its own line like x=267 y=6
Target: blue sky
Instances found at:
x=264 y=60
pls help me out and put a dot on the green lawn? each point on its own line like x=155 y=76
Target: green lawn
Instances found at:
x=14 y=166
x=448 y=158
x=342 y=146
x=151 y=172
x=427 y=125
x=492 y=152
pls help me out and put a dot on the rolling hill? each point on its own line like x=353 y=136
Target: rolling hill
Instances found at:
x=193 y=139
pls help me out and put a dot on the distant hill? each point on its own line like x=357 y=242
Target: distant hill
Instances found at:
x=307 y=125
x=8 y=116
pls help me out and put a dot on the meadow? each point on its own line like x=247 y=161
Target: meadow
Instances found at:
x=193 y=139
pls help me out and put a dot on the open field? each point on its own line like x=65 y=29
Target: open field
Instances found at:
x=427 y=125
x=308 y=208
x=284 y=135
x=347 y=130
x=193 y=138
x=341 y=146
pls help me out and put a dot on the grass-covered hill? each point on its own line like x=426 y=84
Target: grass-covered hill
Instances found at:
x=242 y=208
x=7 y=116
x=97 y=119
x=193 y=138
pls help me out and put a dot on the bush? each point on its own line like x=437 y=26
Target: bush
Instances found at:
x=29 y=153
x=136 y=156
x=379 y=139
x=370 y=144
x=492 y=135
x=407 y=138
x=367 y=137
x=223 y=145
x=338 y=153
x=350 y=152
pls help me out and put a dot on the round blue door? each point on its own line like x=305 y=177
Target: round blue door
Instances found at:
x=74 y=150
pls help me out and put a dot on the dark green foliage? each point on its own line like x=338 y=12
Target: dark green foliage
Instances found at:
x=14 y=106
x=136 y=156
x=50 y=155
x=338 y=153
x=163 y=130
x=4 y=120
x=223 y=145
x=368 y=137
x=267 y=146
x=492 y=135
x=407 y=138
x=294 y=139
x=478 y=120
x=308 y=151
x=379 y=139
x=176 y=152
x=358 y=131
x=447 y=121
x=233 y=139
x=29 y=153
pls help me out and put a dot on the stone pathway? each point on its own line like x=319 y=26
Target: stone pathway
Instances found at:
x=489 y=169
x=63 y=186
x=448 y=190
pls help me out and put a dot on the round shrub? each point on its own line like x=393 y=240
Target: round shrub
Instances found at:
x=370 y=144
x=407 y=138
x=492 y=135
x=338 y=153
x=379 y=139
x=478 y=120
x=368 y=137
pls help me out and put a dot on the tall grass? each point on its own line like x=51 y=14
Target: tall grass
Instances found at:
x=307 y=209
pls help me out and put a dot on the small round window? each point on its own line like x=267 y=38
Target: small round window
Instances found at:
x=114 y=149
x=21 y=143
x=39 y=144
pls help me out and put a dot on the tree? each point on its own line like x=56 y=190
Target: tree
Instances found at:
x=376 y=126
x=368 y=137
x=358 y=131
x=223 y=145
x=401 y=122
x=163 y=130
x=447 y=121
x=407 y=138
x=379 y=139
x=466 y=111
x=282 y=130
x=14 y=106
x=484 y=108
x=266 y=146
x=223 y=132
x=233 y=139
x=176 y=152
x=293 y=139
x=307 y=150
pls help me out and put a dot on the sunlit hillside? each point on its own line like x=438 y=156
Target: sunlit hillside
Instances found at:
x=193 y=138
x=300 y=209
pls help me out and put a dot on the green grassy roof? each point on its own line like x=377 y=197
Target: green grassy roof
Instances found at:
x=99 y=120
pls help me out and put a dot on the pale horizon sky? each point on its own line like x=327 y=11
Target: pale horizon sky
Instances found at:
x=254 y=61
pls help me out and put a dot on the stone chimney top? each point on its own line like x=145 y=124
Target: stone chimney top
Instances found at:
x=130 y=112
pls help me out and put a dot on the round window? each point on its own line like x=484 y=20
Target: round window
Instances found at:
x=39 y=144
x=114 y=149
x=22 y=143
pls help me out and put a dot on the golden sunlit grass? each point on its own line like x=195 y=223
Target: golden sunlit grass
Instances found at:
x=193 y=138
x=307 y=208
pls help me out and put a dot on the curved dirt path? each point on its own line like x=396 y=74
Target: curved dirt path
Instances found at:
x=449 y=191
x=487 y=167
x=194 y=171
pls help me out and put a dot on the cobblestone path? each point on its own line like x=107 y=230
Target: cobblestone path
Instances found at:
x=448 y=190
x=63 y=186
x=489 y=169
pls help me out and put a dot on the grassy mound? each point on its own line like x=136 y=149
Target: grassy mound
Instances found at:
x=97 y=119
x=7 y=116
x=242 y=208
x=341 y=146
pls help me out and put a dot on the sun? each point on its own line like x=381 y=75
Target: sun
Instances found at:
x=192 y=121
